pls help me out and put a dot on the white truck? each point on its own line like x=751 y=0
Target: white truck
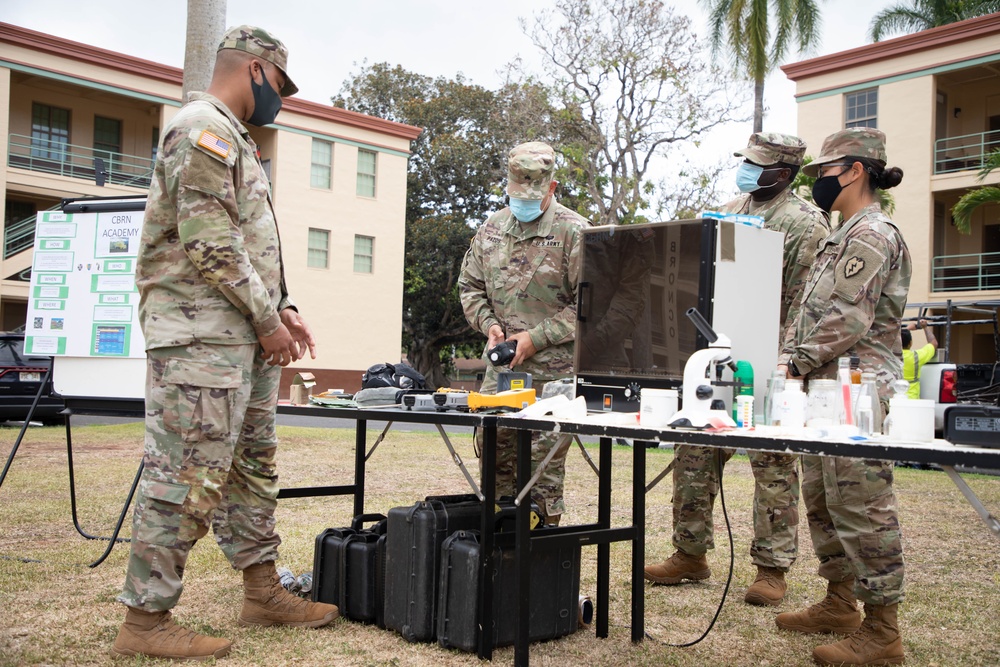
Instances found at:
x=948 y=383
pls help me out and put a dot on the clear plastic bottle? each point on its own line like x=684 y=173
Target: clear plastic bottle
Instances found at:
x=287 y=579
x=772 y=399
x=868 y=412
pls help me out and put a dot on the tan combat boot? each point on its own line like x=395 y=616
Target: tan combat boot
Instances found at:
x=768 y=589
x=266 y=602
x=837 y=612
x=877 y=641
x=154 y=634
x=677 y=568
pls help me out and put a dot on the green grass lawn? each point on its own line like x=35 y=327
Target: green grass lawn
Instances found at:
x=54 y=610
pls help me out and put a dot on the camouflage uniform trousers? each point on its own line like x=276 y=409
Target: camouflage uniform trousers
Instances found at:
x=775 y=503
x=548 y=491
x=851 y=509
x=209 y=460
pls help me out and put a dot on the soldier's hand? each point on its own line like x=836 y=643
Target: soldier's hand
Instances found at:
x=301 y=333
x=494 y=337
x=525 y=348
x=279 y=348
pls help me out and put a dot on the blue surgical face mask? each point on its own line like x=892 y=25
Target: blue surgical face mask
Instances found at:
x=747 y=177
x=526 y=210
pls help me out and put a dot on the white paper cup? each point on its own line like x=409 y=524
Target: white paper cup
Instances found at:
x=657 y=407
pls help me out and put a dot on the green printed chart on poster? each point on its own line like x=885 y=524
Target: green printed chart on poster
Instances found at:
x=83 y=303
x=83 y=297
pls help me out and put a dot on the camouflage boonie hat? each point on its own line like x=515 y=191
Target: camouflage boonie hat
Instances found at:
x=854 y=142
x=529 y=170
x=260 y=43
x=767 y=148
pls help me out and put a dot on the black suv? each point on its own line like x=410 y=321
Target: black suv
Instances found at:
x=20 y=377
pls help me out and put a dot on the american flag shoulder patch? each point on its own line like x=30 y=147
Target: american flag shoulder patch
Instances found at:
x=214 y=143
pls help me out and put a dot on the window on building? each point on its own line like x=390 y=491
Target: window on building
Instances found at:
x=319 y=249
x=364 y=251
x=322 y=159
x=107 y=136
x=49 y=132
x=861 y=108
x=366 y=173
x=156 y=141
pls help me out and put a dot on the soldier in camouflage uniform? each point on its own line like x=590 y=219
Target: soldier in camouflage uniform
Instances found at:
x=771 y=161
x=218 y=326
x=852 y=305
x=518 y=283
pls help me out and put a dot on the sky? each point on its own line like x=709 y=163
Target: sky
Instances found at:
x=328 y=40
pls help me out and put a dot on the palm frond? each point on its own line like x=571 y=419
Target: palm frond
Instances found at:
x=970 y=201
x=991 y=162
x=898 y=18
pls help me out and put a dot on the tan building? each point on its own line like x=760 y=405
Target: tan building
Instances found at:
x=936 y=95
x=338 y=179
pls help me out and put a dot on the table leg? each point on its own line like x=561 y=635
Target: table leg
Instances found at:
x=639 y=541
x=604 y=550
x=360 y=445
x=522 y=553
x=484 y=611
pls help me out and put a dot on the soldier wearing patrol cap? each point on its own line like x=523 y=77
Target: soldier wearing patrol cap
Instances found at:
x=770 y=162
x=518 y=283
x=219 y=325
x=853 y=303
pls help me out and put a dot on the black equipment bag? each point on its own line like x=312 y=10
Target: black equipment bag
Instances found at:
x=398 y=375
x=349 y=569
x=555 y=592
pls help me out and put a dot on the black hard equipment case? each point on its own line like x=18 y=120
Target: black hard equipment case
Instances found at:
x=555 y=592
x=349 y=569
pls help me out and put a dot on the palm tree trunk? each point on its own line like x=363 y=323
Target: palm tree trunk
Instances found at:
x=758 y=105
x=206 y=23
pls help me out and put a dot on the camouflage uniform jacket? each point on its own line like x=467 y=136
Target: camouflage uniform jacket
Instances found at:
x=804 y=226
x=209 y=266
x=523 y=277
x=853 y=301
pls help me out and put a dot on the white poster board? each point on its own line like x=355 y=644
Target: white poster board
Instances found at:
x=83 y=305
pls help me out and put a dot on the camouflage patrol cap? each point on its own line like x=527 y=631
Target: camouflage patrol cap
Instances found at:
x=529 y=170
x=259 y=42
x=853 y=142
x=767 y=148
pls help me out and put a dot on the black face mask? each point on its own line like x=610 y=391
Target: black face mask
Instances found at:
x=266 y=102
x=826 y=190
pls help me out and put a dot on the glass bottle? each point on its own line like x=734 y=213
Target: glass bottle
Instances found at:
x=775 y=386
x=868 y=412
x=822 y=403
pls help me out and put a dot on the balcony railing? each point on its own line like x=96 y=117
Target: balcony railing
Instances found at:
x=964 y=153
x=966 y=273
x=54 y=157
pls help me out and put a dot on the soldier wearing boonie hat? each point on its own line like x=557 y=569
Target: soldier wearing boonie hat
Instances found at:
x=218 y=321
x=518 y=283
x=771 y=161
x=852 y=306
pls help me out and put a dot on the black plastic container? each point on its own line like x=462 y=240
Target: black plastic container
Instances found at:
x=413 y=546
x=555 y=592
x=349 y=569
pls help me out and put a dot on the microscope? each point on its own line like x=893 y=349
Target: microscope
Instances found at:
x=697 y=391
